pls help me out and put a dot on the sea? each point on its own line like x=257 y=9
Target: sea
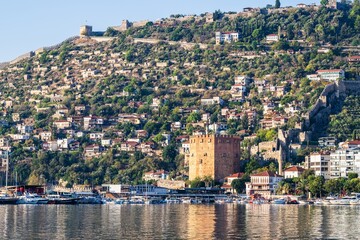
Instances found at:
x=179 y=221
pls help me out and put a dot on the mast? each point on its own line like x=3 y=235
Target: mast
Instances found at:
x=7 y=164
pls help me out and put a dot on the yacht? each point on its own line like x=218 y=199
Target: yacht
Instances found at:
x=61 y=199
x=32 y=198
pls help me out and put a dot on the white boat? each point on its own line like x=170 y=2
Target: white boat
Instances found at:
x=136 y=200
x=279 y=201
x=196 y=200
x=172 y=200
x=32 y=198
x=186 y=200
x=121 y=201
x=342 y=201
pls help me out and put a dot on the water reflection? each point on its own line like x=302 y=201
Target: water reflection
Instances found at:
x=179 y=221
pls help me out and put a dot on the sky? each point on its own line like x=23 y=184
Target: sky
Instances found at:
x=28 y=25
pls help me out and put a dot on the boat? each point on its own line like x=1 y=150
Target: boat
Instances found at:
x=121 y=201
x=32 y=198
x=186 y=200
x=172 y=200
x=154 y=200
x=279 y=201
x=4 y=197
x=61 y=199
x=196 y=201
x=292 y=202
x=343 y=201
x=88 y=198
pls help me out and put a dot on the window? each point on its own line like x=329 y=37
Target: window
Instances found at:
x=201 y=161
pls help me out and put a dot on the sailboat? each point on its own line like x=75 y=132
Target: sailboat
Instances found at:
x=4 y=197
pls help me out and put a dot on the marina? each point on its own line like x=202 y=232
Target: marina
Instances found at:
x=179 y=221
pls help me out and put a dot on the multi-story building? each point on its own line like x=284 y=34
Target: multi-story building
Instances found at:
x=344 y=161
x=217 y=156
x=320 y=163
x=331 y=74
x=327 y=142
x=264 y=183
x=226 y=37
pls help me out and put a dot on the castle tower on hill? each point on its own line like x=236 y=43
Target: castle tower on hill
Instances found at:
x=217 y=156
x=85 y=30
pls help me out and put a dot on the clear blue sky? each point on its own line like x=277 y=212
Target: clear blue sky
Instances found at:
x=28 y=25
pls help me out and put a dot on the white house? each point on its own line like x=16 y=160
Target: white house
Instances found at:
x=226 y=37
x=264 y=183
x=272 y=38
x=293 y=171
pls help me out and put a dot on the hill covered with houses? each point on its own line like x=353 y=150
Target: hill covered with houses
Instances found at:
x=105 y=108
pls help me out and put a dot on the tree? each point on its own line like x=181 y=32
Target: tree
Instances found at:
x=238 y=185
x=316 y=185
x=277 y=4
x=208 y=180
x=352 y=175
x=324 y=2
x=197 y=183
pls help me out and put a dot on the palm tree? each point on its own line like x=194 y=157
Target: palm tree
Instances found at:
x=208 y=180
x=303 y=186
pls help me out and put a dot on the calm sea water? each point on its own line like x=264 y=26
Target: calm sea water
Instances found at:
x=179 y=221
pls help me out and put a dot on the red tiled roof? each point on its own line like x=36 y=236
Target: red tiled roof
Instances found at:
x=354 y=142
x=236 y=175
x=295 y=169
x=266 y=174
x=329 y=70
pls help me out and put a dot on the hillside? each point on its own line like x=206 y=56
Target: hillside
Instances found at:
x=94 y=111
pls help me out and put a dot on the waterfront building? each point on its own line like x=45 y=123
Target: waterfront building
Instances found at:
x=216 y=156
x=229 y=179
x=320 y=163
x=344 y=161
x=264 y=183
x=293 y=171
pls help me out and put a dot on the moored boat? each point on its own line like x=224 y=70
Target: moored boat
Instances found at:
x=60 y=199
x=279 y=201
x=32 y=198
